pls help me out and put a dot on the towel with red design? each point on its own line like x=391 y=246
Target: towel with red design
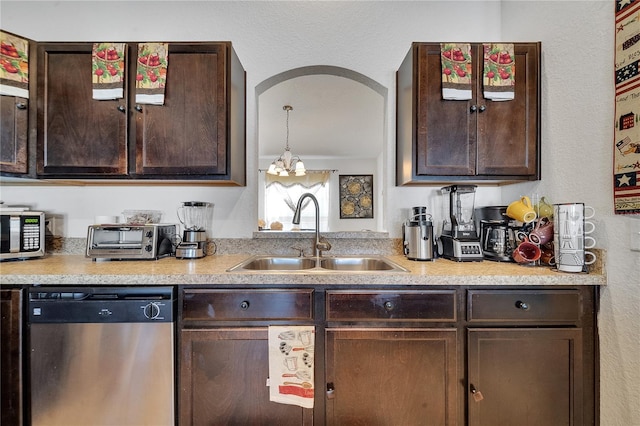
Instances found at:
x=291 y=356
x=455 y=59
x=499 y=75
x=107 y=62
x=151 y=74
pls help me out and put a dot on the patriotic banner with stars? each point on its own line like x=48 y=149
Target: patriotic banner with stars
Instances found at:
x=626 y=154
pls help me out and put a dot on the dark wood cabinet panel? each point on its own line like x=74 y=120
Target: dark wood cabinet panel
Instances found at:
x=189 y=135
x=14 y=119
x=11 y=383
x=223 y=376
x=391 y=306
x=533 y=306
x=526 y=376
x=509 y=131
x=397 y=376
x=247 y=305
x=477 y=139
x=77 y=135
x=199 y=133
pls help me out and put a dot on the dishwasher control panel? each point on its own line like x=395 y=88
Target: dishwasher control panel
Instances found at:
x=101 y=304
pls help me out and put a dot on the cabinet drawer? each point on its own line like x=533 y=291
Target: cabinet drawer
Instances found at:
x=524 y=306
x=391 y=305
x=247 y=305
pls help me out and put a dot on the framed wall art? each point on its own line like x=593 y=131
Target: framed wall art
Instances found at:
x=356 y=196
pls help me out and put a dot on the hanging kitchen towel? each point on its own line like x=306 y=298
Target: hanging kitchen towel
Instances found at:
x=291 y=353
x=151 y=75
x=499 y=75
x=14 y=66
x=107 y=70
x=456 y=71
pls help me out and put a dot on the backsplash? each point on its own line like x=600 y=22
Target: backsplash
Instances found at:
x=341 y=244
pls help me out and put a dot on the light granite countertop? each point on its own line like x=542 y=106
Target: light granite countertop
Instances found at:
x=212 y=270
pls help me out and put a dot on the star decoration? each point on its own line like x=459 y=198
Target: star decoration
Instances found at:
x=624 y=180
x=623 y=4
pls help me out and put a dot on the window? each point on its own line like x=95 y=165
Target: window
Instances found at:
x=282 y=194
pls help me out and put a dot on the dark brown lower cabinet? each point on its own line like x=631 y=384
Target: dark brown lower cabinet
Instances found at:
x=391 y=376
x=224 y=359
x=11 y=402
x=434 y=355
x=525 y=376
x=224 y=375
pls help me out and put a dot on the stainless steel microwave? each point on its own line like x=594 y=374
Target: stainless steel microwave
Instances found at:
x=22 y=234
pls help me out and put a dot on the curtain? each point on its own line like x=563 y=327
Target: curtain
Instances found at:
x=286 y=186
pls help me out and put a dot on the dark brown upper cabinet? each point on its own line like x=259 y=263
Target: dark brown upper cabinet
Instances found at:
x=477 y=140
x=198 y=134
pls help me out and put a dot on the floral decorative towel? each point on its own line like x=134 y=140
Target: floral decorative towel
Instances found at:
x=499 y=75
x=456 y=71
x=14 y=65
x=108 y=70
x=151 y=75
x=291 y=355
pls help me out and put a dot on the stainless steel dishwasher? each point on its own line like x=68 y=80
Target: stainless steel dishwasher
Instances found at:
x=101 y=356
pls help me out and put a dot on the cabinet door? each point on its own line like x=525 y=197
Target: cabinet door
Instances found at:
x=14 y=114
x=187 y=136
x=508 y=132
x=391 y=376
x=446 y=130
x=525 y=376
x=11 y=360
x=77 y=135
x=223 y=376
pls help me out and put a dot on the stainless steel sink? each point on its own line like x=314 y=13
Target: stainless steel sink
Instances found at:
x=373 y=263
x=357 y=264
x=275 y=263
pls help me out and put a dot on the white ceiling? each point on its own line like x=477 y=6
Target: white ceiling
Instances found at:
x=332 y=116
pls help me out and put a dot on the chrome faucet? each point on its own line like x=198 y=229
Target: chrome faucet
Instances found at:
x=319 y=244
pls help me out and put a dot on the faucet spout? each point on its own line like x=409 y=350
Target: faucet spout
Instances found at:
x=317 y=244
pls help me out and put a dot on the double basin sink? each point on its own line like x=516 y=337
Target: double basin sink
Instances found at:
x=369 y=263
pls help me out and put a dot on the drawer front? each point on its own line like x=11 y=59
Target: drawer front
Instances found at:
x=524 y=306
x=247 y=305
x=432 y=306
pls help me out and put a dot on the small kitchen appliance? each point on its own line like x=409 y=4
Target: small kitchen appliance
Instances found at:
x=196 y=218
x=497 y=233
x=22 y=233
x=417 y=233
x=130 y=242
x=459 y=236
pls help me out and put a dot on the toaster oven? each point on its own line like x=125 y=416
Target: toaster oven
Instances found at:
x=130 y=242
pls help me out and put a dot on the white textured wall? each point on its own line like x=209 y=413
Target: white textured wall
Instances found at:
x=372 y=38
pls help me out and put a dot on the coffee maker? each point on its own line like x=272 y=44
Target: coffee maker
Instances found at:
x=497 y=233
x=417 y=234
x=196 y=218
x=459 y=236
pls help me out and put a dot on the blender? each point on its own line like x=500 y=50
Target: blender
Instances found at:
x=195 y=217
x=459 y=237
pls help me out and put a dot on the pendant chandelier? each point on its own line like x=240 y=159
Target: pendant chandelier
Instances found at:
x=287 y=163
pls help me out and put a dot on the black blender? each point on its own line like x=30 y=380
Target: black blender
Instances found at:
x=459 y=236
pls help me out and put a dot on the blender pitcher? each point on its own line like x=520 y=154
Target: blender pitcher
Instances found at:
x=195 y=215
